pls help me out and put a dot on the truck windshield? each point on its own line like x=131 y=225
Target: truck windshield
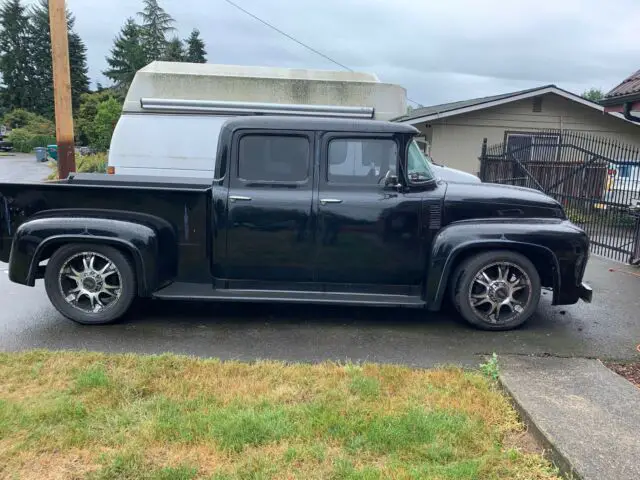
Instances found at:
x=418 y=168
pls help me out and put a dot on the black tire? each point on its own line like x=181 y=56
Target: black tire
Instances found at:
x=464 y=279
x=111 y=312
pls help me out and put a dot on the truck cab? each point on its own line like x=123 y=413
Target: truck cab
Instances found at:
x=321 y=201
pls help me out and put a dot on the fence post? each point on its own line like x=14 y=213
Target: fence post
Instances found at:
x=634 y=259
x=483 y=156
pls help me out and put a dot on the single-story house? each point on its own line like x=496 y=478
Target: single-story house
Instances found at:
x=625 y=98
x=453 y=132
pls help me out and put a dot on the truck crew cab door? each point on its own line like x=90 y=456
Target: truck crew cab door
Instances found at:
x=370 y=237
x=269 y=241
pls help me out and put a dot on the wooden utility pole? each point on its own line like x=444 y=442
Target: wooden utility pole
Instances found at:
x=62 y=87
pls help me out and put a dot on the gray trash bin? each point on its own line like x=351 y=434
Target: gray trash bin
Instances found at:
x=41 y=154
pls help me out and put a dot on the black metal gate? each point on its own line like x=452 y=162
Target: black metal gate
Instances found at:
x=596 y=179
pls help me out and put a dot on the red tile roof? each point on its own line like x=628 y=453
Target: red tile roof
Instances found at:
x=629 y=86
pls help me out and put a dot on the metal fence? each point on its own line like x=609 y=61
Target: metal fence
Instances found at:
x=596 y=179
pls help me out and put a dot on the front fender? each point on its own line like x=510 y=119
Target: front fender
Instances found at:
x=35 y=240
x=555 y=243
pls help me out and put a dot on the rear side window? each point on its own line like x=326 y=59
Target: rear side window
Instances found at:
x=277 y=158
x=361 y=161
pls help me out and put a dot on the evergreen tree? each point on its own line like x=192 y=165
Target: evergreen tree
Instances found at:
x=174 y=51
x=41 y=85
x=156 y=24
x=593 y=94
x=41 y=82
x=127 y=56
x=79 y=69
x=14 y=55
x=196 y=52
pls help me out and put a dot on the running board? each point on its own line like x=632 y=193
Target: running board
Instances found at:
x=203 y=292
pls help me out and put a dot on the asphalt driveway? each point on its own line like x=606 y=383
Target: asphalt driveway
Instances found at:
x=608 y=328
x=22 y=167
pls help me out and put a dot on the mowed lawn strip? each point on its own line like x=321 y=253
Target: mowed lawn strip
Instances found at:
x=97 y=416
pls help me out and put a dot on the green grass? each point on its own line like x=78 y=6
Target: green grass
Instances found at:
x=92 y=377
x=234 y=426
x=94 y=416
x=365 y=386
x=133 y=467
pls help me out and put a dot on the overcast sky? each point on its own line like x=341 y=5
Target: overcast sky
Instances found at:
x=440 y=50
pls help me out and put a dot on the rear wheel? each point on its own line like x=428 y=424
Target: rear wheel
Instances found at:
x=90 y=284
x=497 y=290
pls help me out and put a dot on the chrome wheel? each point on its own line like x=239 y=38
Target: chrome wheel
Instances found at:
x=90 y=282
x=500 y=292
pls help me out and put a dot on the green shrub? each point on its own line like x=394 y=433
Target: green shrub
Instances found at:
x=25 y=141
x=19 y=118
x=97 y=117
x=29 y=130
x=29 y=121
x=623 y=220
x=96 y=163
x=104 y=123
x=577 y=216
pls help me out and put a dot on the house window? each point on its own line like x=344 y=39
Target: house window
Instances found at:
x=537 y=104
x=536 y=147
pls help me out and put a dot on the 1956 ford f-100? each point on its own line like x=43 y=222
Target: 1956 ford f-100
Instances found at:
x=313 y=210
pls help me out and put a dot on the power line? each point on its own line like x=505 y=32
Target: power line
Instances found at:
x=264 y=22
x=290 y=37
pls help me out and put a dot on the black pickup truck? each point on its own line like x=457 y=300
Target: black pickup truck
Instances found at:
x=310 y=210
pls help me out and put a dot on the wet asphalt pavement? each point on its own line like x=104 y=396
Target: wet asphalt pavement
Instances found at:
x=608 y=328
x=22 y=167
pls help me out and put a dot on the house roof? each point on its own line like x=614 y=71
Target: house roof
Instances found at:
x=444 y=110
x=628 y=90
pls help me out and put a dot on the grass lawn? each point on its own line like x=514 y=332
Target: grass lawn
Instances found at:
x=95 y=416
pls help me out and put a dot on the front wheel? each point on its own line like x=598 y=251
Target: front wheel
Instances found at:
x=90 y=284
x=497 y=290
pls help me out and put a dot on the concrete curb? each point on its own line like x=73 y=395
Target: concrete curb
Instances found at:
x=550 y=451
x=585 y=415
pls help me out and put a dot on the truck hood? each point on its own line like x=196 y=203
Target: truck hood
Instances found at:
x=452 y=175
x=465 y=201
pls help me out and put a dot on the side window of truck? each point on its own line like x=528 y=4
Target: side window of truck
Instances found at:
x=362 y=160
x=278 y=158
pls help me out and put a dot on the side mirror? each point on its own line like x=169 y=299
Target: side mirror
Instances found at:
x=391 y=181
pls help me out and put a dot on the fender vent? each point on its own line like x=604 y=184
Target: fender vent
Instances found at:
x=435 y=216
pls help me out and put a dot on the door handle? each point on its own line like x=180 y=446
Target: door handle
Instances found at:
x=324 y=201
x=239 y=198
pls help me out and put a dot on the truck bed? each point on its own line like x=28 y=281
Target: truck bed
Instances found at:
x=183 y=203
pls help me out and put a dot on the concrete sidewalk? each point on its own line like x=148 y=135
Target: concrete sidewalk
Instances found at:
x=587 y=416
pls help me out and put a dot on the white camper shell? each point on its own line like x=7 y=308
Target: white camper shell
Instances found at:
x=173 y=111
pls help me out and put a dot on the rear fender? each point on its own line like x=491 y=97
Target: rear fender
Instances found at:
x=155 y=257
x=458 y=241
